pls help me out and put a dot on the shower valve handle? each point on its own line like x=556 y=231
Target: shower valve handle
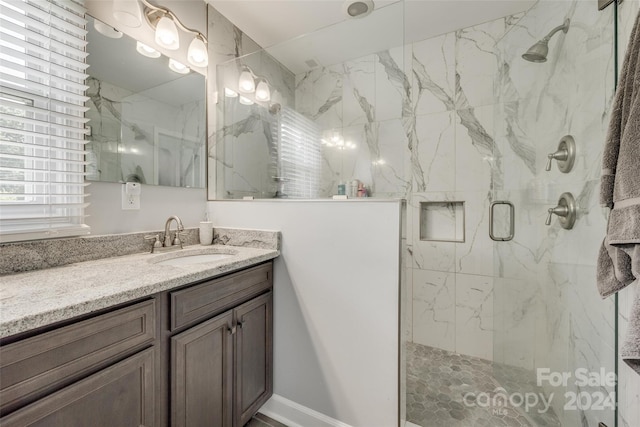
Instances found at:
x=566 y=210
x=562 y=154
x=565 y=155
x=562 y=211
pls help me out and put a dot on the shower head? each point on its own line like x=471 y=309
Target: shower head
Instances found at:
x=538 y=52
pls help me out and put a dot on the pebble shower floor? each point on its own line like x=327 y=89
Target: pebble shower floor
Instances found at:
x=438 y=380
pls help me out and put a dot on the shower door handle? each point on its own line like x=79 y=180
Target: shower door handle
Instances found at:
x=512 y=221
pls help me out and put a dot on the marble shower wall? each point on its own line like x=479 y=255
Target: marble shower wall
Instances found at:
x=461 y=117
x=422 y=119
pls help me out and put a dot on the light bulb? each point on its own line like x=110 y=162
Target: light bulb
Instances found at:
x=147 y=51
x=262 y=91
x=178 y=67
x=167 y=33
x=246 y=83
x=230 y=93
x=197 y=54
x=245 y=101
x=127 y=12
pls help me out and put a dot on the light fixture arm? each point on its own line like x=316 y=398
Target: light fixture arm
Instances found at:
x=153 y=21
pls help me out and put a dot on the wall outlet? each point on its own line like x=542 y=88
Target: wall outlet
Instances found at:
x=130 y=201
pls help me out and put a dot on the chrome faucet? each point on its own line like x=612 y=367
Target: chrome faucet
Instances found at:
x=167 y=243
x=167 y=233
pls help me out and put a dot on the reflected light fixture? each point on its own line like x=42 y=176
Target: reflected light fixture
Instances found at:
x=127 y=12
x=246 y=83
x=245 y=101
x=165 y=24
x=178 y=67
x=230 y=93
x=147 y=51
x=262 y=91
x=106 y=30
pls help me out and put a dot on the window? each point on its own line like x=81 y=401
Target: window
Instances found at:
x=42 y=123
x=299 y=155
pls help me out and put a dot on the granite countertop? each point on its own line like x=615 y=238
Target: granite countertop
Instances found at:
x=37 y=298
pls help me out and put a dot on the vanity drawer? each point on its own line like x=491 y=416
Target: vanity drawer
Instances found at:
x=205 y=299
x=33 y=367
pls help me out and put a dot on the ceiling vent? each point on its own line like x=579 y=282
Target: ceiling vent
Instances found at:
x=357 y=8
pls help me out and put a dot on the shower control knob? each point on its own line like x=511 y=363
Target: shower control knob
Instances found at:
x=558 y=155
x=558 y=210
x=566 y=211
x=565 y=155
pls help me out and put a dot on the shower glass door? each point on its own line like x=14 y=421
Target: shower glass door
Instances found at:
x=553 y=336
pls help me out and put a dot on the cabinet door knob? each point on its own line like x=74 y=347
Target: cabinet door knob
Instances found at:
x=241 y=323
x=231 y=329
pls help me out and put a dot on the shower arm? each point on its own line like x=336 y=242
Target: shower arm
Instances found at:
x=564 y=28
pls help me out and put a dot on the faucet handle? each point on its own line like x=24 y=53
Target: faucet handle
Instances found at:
x=156 y=241
x=177 y=240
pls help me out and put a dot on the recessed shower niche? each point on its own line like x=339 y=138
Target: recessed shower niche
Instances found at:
x=442 y=221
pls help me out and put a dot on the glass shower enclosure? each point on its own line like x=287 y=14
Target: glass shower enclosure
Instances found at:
x=554 y=337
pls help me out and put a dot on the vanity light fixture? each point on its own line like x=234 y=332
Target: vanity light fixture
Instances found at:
x=178 y=67
x=245 y=101
x=127 y=12
x=167 y=33
x=166 y=24
x=147 y=51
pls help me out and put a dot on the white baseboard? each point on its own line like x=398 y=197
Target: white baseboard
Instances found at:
x=295 y=415
x=410 y=424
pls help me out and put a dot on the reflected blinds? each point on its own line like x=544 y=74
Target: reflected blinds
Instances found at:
x=42 y=123
x=299 y=155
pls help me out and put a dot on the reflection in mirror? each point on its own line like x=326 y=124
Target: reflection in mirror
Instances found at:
x=333 y=123
x=147 y=121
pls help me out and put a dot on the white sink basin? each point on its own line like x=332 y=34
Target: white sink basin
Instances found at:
x=194 y=259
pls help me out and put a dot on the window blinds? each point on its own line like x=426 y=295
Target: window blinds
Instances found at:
x=299 y=155
x=42 y=123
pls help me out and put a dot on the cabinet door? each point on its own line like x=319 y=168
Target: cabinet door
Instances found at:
x=122 y=395
x=254 y=356
x=202 y=374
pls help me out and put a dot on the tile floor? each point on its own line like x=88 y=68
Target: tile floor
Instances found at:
x=438 y=380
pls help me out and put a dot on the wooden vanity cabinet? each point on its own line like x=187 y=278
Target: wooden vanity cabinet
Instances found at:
x=200 y=356
x=221 y=368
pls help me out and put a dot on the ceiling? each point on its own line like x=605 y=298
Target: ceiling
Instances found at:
x=270 y=22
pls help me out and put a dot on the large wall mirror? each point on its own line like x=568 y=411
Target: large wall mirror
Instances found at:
x=147 y=120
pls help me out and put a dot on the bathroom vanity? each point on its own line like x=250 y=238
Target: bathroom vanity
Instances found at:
x=194 y=354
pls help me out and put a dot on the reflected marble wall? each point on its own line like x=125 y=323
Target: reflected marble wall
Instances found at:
x=127 y=129
x=240 y=141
